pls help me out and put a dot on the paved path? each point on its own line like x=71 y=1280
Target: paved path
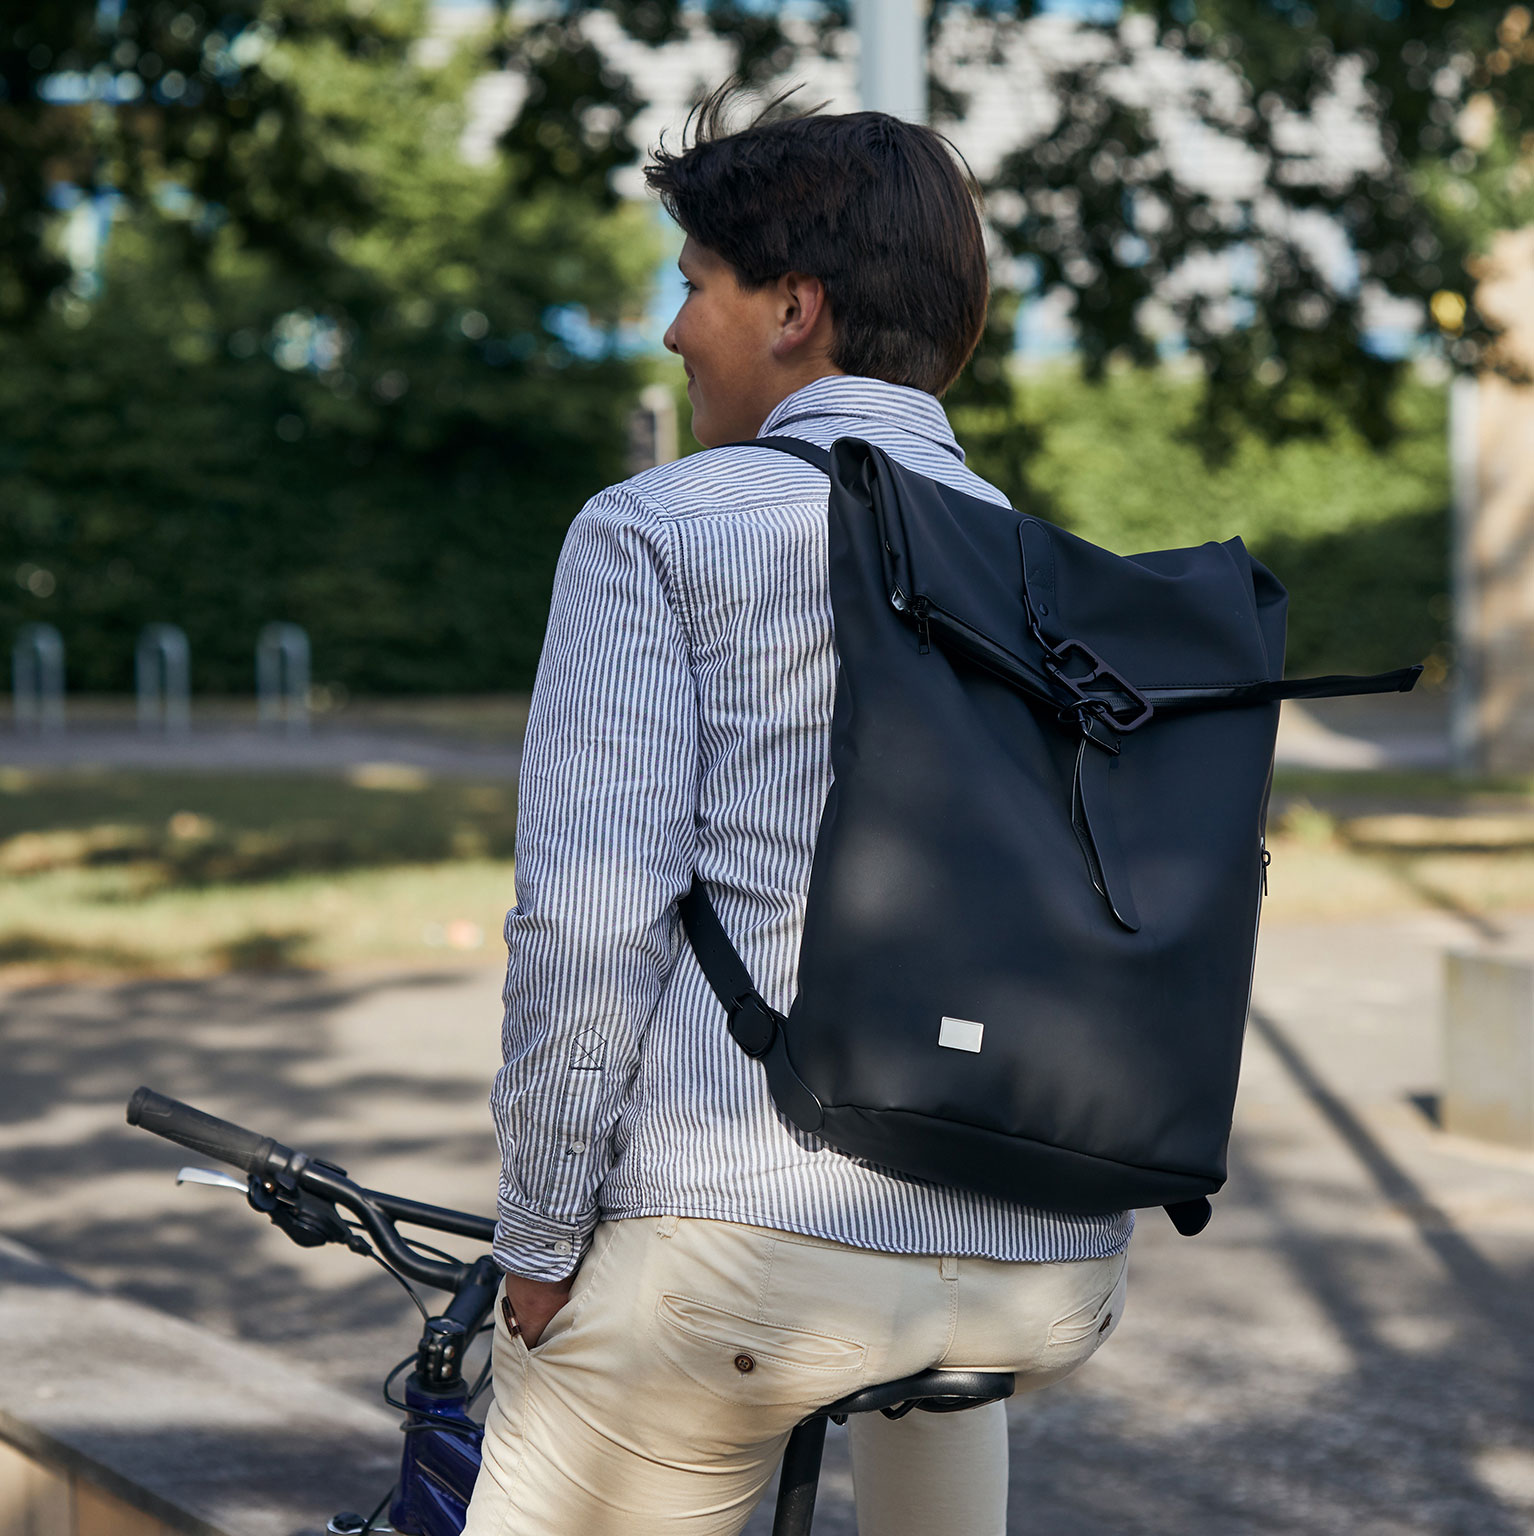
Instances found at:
x=1348 y=1349
x=244 y=749
x=1389 y=731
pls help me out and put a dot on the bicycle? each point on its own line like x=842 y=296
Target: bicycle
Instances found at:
x=304 y=1196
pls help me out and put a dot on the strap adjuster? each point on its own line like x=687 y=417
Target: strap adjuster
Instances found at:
x=753 y=1024
x=1098 y=689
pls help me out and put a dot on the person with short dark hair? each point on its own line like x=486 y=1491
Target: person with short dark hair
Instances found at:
x=687 y=1274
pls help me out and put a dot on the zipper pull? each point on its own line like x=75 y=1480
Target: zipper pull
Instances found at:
x=1267 y=859
x=923 y=633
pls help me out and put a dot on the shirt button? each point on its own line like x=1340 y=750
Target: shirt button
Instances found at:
x=577 y=1146
x=562 y=1247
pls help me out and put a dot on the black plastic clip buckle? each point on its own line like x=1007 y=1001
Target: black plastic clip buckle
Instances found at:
x=1128 y=712
x=753 y=1025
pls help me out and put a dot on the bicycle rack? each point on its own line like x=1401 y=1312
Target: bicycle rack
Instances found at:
x=37 y=678
x=282 y=677
x=162 y=673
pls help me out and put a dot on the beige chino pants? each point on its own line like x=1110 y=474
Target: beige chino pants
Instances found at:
x=659 y=1399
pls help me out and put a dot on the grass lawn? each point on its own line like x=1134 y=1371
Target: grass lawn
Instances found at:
x=1369 y=844
x=119 y=873
x=180 y=874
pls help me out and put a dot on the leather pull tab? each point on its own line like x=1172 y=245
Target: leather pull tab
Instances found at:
x=1039 y=576
x=1097 y=832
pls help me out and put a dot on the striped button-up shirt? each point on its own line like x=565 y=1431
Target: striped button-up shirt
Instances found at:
x=681 y=721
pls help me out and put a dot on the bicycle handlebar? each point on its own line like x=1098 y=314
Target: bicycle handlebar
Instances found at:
x=278 y=1167
x=207 y=1134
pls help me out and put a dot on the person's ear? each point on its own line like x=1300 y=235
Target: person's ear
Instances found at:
x=804 y=315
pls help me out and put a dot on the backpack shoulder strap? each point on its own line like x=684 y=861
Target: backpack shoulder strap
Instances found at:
x=755 y=1024
x=811 y=453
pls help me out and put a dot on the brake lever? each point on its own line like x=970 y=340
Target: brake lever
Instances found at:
x=307 y=1220
x=210 y=1176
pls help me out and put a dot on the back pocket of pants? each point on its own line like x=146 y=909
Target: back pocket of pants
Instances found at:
x=742 y=1360
x=1093 y=1322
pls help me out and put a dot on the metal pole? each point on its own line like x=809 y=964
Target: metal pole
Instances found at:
x=652 y=429
x=892 y=68
x=799 y=1479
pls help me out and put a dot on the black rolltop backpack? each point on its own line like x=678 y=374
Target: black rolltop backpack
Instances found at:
x=1032 y=912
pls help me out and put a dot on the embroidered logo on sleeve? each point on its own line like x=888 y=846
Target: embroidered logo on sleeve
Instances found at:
x=588 y=1051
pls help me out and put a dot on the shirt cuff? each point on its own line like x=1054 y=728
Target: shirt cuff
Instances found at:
x=537 y=1247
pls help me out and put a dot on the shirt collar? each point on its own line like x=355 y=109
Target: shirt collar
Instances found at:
x=852 y=397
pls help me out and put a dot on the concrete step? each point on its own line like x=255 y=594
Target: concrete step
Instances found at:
x=117 y=1420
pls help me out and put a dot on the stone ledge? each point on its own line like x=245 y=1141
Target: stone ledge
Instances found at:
x=198 y=1434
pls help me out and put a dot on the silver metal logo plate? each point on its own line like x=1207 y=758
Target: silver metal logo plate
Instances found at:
x=960 y=1034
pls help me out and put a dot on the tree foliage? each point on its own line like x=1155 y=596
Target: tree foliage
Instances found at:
x=1272 y=285
x=325 y=368
x=1358 y=532
x=1106 y=211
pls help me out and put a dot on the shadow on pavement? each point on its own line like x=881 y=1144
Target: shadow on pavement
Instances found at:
x=355 y=1070
x=1342 y=1352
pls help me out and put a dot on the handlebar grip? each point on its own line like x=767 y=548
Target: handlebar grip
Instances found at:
x=190 y=1127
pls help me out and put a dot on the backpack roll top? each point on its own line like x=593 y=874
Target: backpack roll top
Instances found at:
x=1032 y=912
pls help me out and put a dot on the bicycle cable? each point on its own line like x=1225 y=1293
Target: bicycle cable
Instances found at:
x=395 y=1402
x=405 y=1285
x=443 y=1427
x=383 y=1263
x=383 y=1503
x=480 y=1382
x=436 y=1253
x=410 y=1242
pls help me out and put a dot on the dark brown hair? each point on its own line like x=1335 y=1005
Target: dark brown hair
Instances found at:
x=876 y=208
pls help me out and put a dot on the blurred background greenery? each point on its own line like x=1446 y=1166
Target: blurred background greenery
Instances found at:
x=1358 y=532
x=314 y=368
x=273 y=346
x=182 y=873
x=278 y=342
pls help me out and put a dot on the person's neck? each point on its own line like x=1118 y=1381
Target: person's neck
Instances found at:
x=806 y=377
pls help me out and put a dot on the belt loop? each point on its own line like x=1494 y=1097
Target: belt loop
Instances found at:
x=667 y=1226
x=949 y=1268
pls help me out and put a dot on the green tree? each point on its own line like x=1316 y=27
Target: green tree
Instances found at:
x=1097 y=205
x=328 y=370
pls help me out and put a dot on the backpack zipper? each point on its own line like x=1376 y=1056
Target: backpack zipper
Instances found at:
x=1251 y=979
x=920 y=611
x=925 y=616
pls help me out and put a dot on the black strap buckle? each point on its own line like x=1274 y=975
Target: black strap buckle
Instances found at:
x=753 y=1025
x=1099 y=690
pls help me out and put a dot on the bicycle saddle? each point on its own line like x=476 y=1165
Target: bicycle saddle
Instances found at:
x=931 y=1391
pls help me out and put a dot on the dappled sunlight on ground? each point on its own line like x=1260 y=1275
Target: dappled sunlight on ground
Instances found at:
x=1346 y=1350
